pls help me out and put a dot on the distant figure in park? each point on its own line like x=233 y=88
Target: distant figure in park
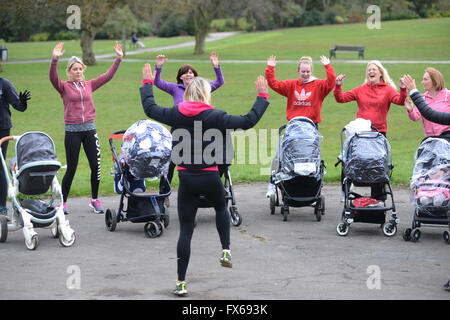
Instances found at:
x=135 y=40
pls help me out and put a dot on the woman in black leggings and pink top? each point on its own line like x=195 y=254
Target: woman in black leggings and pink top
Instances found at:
x=79 y=117
x=197 y=173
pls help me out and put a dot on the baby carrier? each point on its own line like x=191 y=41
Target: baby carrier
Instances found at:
x=145 y=154
x=300 y=170
x=34 y=171
x=366 y=162
x=430 y=187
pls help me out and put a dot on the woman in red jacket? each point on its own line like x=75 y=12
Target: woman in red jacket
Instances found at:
x=79 y=117
x=305 y=95
x=374 y=99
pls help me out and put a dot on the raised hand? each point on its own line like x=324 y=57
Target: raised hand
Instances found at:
x=409 y=105
x=272 y=61
x=24 y=97
x=340 y=79
x=409 y=82
x=147 y=73
x=324 y=60
x=160 y=60
x=401 y=83
x=261 y=85
x=214 y=58
x=58 y=50
x=118 y=50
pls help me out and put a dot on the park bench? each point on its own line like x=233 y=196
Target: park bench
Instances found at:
x=359 y=49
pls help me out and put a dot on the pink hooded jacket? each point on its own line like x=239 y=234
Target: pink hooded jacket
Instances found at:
x=441 y=103
x=77 y=97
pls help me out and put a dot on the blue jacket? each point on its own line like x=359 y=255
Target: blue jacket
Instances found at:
x=8 y=96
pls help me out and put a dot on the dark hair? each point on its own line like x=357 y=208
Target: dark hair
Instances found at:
x=185 y=68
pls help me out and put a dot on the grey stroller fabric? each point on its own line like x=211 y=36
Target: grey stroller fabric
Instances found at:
x=299 y=150
x=146 y=149
x=34 y=147
x=368 y=158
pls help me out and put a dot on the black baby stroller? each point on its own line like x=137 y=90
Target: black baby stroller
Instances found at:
x=34 y=171
x=367 y=161
x=430 y=187
x=300 y=170
x=145 y=153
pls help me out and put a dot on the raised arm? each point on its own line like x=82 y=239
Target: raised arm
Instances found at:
x=214 y=58
x=159 y=83
x=249 y=120
x=280 y=87
x=339 y=95
x=18 y=101
x=104 y=78
x=53 y=73
x=331 y=75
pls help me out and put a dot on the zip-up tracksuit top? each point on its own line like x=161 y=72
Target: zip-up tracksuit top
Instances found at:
x=188 y=114
x=428 y=113
x=77 y=97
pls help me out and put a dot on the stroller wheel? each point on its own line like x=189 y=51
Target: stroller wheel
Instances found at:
x=446 y=236
x=151 y=229
x=318 y=211
x=166 y=220
x=285 y=212
x=389 y=229
x=407 y=234
x=236 y=218
x=55 y=231
x=3 y=228
x=322 y=205
x=33 y=244
x=342 y=229
x=272 y=204
x=67 y=242
x=111 y=219
x=415 y=235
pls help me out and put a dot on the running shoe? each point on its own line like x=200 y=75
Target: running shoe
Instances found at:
x=96 y=205
x=180 y=289
x=65 y=208
x=225 y=260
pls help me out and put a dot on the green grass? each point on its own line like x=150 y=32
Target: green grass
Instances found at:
x=396 y=40
x=43 y=50
x=118 y=107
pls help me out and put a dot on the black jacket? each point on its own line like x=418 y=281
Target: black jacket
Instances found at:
x=8 y=96
x=191 y=120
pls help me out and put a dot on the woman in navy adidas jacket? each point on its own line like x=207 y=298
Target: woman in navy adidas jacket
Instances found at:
x=196 y=164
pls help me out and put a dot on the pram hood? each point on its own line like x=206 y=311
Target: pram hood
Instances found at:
x=300 y=150
x=35 y=148
x=146 y=149
x=368 y=158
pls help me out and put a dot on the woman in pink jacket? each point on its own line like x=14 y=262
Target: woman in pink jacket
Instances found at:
x=437 y=98
x=79 y=116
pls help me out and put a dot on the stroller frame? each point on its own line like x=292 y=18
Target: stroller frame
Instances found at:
x=317 y=201
x=26 y=219
x=374 y=215
x=156 y=218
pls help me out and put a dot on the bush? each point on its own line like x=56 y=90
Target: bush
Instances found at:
x=66 y=35
x=43 y=36
x=172 y=26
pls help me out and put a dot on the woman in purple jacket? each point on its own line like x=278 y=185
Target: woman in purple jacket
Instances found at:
x=79 y=116
x=185 y=75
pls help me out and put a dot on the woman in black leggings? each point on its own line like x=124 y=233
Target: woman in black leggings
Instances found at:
x=198 y=167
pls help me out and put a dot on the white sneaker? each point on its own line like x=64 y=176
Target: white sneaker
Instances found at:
x=271 y=189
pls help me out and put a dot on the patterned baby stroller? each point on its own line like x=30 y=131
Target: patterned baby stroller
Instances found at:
x=430 y=187
x=145 y=153
x=33 y=172
x=300 y=170
x=367 y=161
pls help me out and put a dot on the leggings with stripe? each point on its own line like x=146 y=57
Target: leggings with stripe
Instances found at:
x=192 y=185
x=91 y=146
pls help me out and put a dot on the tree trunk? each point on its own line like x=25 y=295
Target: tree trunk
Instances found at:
x=86 y=46
x=200 y=37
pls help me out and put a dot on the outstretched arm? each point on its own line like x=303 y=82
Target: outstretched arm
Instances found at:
x=280 y=87
x=214 y=58
x=53 y=73
x=104 y=78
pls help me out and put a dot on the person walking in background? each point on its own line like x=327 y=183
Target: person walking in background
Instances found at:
x=436 y=96
x=186 y=73
x=305 y=95
x=374 y=99
x=79 y=117
x=197 y=177
x=8 y=96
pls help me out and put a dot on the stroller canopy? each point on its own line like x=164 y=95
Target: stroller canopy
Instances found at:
x=146 y=149
x=300 y=149
x=368 y=158
x=433 y=154
x=35 y=148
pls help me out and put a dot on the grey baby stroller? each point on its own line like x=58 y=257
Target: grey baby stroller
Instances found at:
x=367 y=161
x=430 y=187
x=300 y=170
x=33 y=173
x=145 y=153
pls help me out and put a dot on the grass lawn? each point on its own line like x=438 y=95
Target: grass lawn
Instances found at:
x=118 y=102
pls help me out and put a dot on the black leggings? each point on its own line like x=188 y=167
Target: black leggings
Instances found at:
x=3 y=183
x=91 y=145
x=192 y=185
